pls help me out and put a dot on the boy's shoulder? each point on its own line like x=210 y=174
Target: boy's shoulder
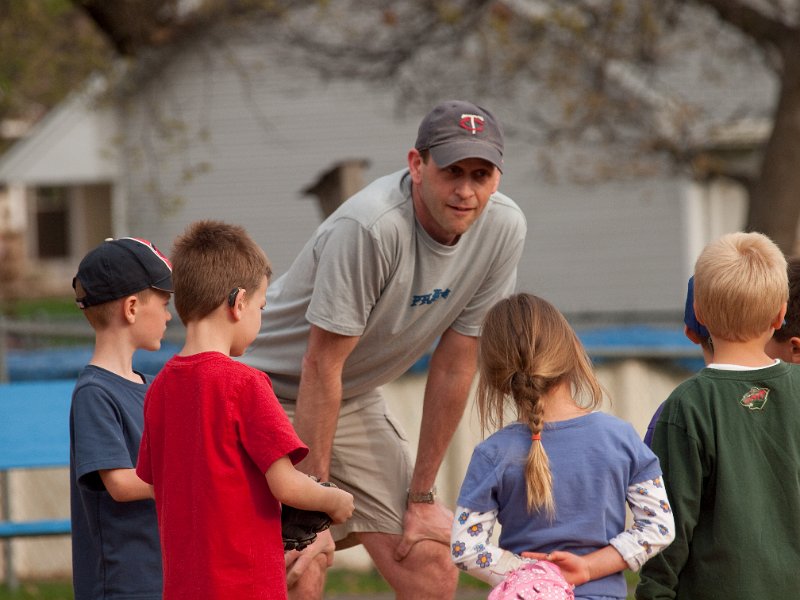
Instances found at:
x=96 y=378
x=710 y=387
x=711 y=377
x=213 y=365
x=101 y=392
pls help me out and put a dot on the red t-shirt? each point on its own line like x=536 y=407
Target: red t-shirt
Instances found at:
x=213 y=427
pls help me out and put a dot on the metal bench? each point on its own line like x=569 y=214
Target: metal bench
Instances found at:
x=34 y=434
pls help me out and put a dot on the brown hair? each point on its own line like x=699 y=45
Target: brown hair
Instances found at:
x=101 y=315
x=525 y=349
x=209 y=260
x=740 y=285
x=792 y=327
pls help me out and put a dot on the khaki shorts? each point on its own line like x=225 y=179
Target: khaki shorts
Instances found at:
x=370 y=460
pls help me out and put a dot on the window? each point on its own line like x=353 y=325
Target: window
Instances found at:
x=52 y=222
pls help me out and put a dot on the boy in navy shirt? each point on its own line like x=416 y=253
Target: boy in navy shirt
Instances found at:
x=123 y=288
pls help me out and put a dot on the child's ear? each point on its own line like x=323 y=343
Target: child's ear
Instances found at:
x=235 y=304
x=778 y=322
x=130 y=305
x=794 y=349
x=692 y=335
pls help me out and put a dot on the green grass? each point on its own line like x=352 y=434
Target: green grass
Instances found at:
x=52 y=308
x=354 y=582
x=50 y=590
x=632 y=579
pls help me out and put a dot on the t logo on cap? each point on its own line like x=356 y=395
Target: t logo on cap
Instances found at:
x=472 y=123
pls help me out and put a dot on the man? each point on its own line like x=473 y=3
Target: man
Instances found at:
x=417 y=255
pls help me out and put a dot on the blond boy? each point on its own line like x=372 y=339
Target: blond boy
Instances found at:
x=729 y=440
x=123 y=287
x=217 y=446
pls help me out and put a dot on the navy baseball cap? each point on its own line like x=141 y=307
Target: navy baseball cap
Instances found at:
x=119 y=268
x=689 y=318
x=455 y=130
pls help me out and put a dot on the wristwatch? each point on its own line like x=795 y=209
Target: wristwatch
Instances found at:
x=422 y=497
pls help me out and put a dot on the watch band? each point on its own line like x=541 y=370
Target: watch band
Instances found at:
x=422 y=497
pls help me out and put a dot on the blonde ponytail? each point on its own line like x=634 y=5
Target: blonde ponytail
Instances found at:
x=527 y=391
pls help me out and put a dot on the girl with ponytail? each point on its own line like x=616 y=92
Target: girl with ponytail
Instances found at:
x=558 y=477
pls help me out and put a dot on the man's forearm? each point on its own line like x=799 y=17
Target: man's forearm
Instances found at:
x=449 y=379
x=319 y=397
x=318 y=402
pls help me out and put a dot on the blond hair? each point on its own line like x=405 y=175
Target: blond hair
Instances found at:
x=526 y=348
x=209 y=260
x=740 y=285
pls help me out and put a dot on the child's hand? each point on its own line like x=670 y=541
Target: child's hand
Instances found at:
x=341 y=505
x=574 y=568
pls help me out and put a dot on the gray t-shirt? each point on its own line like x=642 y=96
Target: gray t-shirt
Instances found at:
x=371 y=270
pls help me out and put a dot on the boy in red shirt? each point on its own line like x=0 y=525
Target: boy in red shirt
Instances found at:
x=217 y=446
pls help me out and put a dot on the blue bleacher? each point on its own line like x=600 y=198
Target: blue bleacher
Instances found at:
x=34 y=434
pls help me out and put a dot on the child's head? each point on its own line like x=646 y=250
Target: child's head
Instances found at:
x=215 y=263
x=740 y=286
x=785 y=342
x=527 y=348
x=115 y=270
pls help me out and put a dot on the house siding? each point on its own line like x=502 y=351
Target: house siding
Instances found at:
x=268 y=134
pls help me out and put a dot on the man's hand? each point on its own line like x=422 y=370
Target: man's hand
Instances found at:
x=574 y=568
x=297 y=562
x=424 y=522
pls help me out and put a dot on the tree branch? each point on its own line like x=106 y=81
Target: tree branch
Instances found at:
x=764 y=30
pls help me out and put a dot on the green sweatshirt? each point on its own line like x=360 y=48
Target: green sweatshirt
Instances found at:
x=729 y=446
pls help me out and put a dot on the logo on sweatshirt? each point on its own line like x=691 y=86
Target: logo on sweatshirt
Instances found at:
x=755 y=398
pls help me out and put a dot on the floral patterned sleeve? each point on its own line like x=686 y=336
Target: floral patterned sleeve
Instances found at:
x=471 y=550
x=653 y=526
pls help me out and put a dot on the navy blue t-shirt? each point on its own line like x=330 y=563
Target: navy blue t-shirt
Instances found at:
x=115 y=546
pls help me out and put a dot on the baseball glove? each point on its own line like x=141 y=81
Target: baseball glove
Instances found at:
x=300 y=527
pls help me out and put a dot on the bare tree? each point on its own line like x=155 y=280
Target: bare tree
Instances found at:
x=775 y=192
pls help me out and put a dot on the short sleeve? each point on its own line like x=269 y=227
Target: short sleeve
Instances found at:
x=98 y=437
x=645 y=465
x=479 y=489
x=265 y=430
x=350 y=274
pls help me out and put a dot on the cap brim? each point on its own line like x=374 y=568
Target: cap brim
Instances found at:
x=165 y=285
x=445 y=155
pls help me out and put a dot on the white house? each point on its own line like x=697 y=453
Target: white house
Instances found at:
x=60 y=187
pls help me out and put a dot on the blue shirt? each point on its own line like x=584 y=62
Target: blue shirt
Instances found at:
x=115 y=545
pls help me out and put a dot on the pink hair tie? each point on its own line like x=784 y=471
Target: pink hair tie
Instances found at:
x=536 y=437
